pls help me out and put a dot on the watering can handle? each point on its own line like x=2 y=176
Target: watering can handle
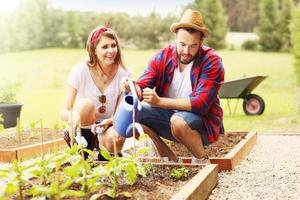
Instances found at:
x=134 y=94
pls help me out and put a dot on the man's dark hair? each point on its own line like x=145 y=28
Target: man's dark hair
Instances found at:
x=191 y=30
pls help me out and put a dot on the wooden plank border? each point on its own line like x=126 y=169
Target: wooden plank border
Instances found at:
x=200 y=186
x=237 y=154
x=31 y=151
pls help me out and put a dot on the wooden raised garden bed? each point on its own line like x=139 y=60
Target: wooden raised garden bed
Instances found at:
x=227 y=152
x=237 y=154
x=30 y=146
x=200 y=186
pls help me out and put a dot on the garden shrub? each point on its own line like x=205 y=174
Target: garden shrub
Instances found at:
x=250 y=45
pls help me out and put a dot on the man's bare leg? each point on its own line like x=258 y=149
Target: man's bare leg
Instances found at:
x=161 y=146
x=188 y=137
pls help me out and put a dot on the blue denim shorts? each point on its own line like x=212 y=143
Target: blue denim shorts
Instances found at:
x=158 y=120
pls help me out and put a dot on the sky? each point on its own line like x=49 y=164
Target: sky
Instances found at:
x=132 y=7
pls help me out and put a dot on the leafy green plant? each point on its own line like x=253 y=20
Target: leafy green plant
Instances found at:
x=117 y=166
x=67 y=174
x=15 y=178
x=179 y=173
x=33 y=129
x=54 y=184
x=8 y=93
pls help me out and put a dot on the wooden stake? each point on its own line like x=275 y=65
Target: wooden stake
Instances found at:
x=71 y=132
x=114 y=141
x=42 y=138
x=19 y=136
x=133 y=131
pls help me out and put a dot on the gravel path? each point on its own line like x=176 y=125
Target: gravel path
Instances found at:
x=270 y=171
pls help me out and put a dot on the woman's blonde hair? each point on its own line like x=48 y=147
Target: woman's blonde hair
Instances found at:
x=93 y=41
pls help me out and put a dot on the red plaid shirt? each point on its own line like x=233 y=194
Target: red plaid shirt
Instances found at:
x=207 y=75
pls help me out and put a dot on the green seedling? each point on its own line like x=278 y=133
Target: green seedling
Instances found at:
x=57 y=183
x=15 y=178
x=178 y=173
x=33 y=129
x=129 y=166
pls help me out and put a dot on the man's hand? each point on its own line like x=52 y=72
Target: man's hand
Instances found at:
x=151 y=97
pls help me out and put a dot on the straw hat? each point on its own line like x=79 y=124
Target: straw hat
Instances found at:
x=190 y=19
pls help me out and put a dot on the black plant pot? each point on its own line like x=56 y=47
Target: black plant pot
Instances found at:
x=10 y=113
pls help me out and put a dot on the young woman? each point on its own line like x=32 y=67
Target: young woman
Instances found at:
x=96 y=87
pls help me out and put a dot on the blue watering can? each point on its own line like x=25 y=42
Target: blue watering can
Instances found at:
x=123 y=123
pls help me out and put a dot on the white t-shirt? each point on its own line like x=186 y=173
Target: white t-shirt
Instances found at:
x=81 y=79
x=181 y=86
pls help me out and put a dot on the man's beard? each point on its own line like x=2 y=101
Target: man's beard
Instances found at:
x=187 y=60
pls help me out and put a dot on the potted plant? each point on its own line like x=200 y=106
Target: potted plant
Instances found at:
x=10 y=109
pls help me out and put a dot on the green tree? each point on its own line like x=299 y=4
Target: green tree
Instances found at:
x=32 y=19
x=295 y=38
x=215 y=20
x=7 y=30
x=284 y=19
x=268 y=32
x=152 y=31
x=71 y=32
x=234 y=9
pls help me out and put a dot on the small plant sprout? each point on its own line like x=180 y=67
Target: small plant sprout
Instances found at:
x=33 y=130
x=179 y=173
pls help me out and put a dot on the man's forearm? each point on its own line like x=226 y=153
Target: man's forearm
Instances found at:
x=174 y=104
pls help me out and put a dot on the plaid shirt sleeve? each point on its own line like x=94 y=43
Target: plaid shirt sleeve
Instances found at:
x=205 y=92
x=156 y=72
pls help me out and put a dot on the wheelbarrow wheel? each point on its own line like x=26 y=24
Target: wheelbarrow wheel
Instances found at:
x=253 y=105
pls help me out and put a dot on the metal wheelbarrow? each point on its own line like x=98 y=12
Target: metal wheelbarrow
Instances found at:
x=241 y=88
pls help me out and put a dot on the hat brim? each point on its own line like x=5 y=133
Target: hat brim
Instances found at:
x=176 y=26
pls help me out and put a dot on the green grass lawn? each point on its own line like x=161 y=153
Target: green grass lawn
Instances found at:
x=43 y=75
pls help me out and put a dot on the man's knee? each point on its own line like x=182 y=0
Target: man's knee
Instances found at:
x=178 y=126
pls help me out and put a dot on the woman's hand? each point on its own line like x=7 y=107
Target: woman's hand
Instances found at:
x=102 y=127
x=124 y=85
x=106 y=123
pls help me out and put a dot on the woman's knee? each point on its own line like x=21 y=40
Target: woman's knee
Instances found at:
x=87 y=112
x=109 y=138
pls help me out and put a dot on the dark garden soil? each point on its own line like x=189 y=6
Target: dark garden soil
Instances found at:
x=219 y=148
x=9 y=138
x=158 y=184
